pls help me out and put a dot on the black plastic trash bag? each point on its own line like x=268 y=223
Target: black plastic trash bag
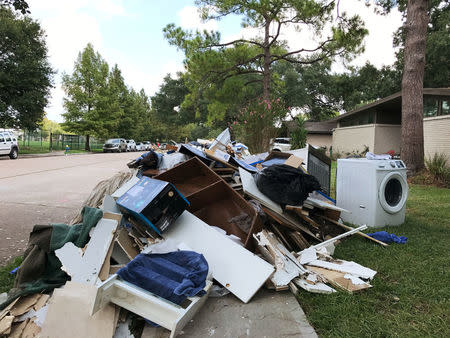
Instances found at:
x=286 y=185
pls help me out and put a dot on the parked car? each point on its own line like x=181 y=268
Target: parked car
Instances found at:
x=147 y=145
x=131 y=145
x=281 y=144
x=140 y=146
x=116 y=145
x=8 y=145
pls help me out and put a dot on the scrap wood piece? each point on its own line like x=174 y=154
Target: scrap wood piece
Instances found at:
x=85 y=267
x=104 y=270
x=318 y=287
x=362 y=234
x=288 y=222
x=24 y=304
x=323 y=205
x=352 y=268
x=286 y=269
x=334 y=239
x=294 y=161
x=124 y=241
x=5 y=325
x=297 y=209
x=220 y=156
x=31 y=330
x=341 y=280
x=69 y=313
x=6 y=310
x=41 y=302
x=298 y=238
x=17 y=330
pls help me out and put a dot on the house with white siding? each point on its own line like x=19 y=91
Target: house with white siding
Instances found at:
x=377 y=126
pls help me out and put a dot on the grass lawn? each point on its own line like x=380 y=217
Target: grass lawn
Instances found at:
x=411 y=291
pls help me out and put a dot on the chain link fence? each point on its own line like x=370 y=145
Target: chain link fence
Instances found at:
x=43 y=141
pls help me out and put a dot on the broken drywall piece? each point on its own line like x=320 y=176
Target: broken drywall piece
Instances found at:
x=84 y=268
x=286 y=269
x=355 y=280
x=341 y=280
x=308 y=255
x=166 y=246
x=319 y=287
x=234 y=267
x=347 y=267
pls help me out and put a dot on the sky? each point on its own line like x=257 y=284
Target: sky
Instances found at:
x=129 y=33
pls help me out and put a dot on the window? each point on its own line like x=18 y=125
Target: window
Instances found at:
x=2 y=139
x=7 y=137
x=430 y=107
x=445 y=108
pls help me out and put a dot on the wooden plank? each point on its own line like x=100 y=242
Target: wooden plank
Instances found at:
x=219 y=156
x=236 y=268
x=339 y=280
x=297 y=209
x=362 y=234
x=125 y=242
x=84 y=268
x=24 y=304
x=289 y=223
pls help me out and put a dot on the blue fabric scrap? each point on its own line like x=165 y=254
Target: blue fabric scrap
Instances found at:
x=173 y=276
x=386 y=237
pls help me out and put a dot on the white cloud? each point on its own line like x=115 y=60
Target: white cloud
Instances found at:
x=190 y=19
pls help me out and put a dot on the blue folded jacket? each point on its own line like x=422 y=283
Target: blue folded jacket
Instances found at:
x=173 y=276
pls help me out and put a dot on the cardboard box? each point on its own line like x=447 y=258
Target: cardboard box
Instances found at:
x=154 y=203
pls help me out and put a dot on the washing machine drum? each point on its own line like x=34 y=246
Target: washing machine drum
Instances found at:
x=393 y=192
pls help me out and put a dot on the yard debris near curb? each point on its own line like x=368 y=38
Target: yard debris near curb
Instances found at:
x=185 y=201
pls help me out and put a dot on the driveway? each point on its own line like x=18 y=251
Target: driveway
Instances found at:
x=47 y=190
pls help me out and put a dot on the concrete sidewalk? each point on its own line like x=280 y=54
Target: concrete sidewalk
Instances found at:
x=268 y=314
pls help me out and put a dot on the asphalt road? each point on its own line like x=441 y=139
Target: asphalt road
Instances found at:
x=47 y=190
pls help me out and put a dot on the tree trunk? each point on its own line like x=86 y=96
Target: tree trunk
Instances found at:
x=87 y=145
x=412 y=149
x=266 y=66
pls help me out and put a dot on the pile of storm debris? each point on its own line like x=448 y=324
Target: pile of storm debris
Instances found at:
x=180 y=226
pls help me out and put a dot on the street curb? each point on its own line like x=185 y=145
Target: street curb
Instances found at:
x=52 y=155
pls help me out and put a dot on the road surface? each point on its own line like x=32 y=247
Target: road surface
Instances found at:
x=47 y=190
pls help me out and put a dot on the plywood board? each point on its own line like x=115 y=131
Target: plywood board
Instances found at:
x=5 y=325
x=236 y=268
x=69 y=314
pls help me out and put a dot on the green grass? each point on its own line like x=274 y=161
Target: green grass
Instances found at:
x=7 y=279
x=410 y=294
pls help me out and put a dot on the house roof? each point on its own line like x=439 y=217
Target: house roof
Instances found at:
x=322 y=127
x=392 y=102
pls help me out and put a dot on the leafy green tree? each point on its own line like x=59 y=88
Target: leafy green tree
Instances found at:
x=19 y=5
x=25 y=73
x=232 y=74
x=86 y=92
x=48 y=126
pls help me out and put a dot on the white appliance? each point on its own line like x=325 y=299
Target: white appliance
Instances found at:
x=374 y=191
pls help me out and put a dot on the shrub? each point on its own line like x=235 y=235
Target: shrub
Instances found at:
x=437 y=166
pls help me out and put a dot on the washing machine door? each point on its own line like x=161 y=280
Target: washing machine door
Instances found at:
x=393 y=192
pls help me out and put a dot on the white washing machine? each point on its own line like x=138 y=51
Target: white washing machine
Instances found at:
x=374 y=191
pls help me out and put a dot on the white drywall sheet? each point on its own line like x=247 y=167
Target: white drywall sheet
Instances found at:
x=233 y=266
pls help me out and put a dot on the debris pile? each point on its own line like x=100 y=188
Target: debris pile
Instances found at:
x=155 y=242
